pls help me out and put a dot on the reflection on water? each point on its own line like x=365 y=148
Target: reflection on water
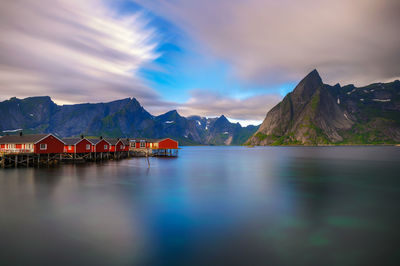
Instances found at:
x=209 y=206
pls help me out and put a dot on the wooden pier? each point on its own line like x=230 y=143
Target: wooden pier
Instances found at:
x=165 y=152
x=14 y=160
x=29 y=160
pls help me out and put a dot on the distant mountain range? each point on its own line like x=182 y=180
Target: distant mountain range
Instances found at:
x=317 y=114
x=314 y=113
x=122 y=118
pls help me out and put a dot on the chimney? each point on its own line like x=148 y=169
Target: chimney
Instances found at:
x=20 y=134
x=101 y=137
x=82 y=136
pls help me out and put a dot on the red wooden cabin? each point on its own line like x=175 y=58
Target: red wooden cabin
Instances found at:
x=31 y=143
x=116 y=145
x=100 y=145
x=140 y=143
x=126 y=143
x=166 y=143
x=77 y=145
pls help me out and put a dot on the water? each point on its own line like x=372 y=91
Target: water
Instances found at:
x=209 y=206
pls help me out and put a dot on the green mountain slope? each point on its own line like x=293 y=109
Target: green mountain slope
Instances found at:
x=316 y=114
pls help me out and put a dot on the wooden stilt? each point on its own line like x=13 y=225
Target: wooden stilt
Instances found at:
x=148 y=161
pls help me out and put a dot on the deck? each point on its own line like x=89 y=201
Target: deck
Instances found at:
x=27 y=158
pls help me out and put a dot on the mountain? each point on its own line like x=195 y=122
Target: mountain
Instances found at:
x=315 y=113
x=121 y=118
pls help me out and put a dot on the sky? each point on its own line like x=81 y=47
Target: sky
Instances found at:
x=211 y=57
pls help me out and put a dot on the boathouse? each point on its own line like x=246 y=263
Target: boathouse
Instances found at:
x=100 y=145
x=158 y=147
x=31 y=143
x=116 y=145
x=126 y=143
x=144 y=143
x=140 y=143
x=166 y=144
x=77 y=145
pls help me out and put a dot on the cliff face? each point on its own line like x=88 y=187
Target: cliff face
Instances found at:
x=315 y=113
x=121 y=118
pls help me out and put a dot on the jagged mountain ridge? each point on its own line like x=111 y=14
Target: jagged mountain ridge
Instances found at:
x=315 y=113
x=124 y=117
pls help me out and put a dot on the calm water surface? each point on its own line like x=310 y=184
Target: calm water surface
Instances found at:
x=209 y=206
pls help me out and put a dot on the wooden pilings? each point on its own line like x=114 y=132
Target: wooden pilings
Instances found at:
x=166 y=152
x=28 y=160
x=40 y=160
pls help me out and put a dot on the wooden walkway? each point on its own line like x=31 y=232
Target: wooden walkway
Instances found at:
x=22 y=159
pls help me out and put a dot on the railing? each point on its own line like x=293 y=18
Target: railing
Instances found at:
x=15 y=151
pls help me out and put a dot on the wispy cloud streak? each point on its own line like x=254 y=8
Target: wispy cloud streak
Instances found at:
x=72 y=50
x=268 y=41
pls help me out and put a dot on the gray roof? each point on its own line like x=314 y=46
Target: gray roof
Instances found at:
x=71 y=141
x=148 y=140
x=112 y=141
x=125 y=141
x=94 y=141
x=17 y=139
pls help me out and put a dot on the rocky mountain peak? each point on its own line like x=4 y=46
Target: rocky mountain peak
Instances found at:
x=316 y=113
x=222 y=118
x=308 y=85
x=173 y=114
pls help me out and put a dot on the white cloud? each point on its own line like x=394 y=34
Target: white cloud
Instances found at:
x=74 y=51
x=246 y=111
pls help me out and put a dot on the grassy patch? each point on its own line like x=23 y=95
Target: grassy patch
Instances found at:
x=260 y=136
x=315 y=101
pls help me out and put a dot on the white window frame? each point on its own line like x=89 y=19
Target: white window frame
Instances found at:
x=44 y=147
x=69 y=147
x=105 y=146
x=122 y=147
x=87 y=146
x=142 y=144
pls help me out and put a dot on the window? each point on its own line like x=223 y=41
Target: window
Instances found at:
x=69 y=147
x=43 y=146
x=122 y=147
x=105 y=147
x=142 y=144
x=87 y=146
